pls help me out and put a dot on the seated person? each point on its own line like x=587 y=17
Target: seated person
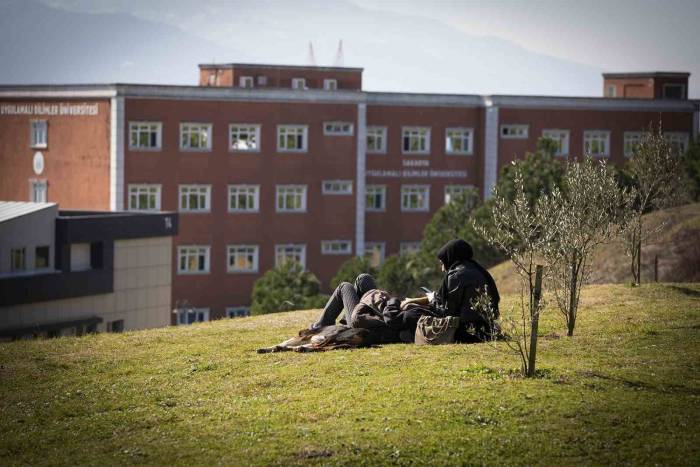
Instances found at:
x=464 y=279
x=345 y=296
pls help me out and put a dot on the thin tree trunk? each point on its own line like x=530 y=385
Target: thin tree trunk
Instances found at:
x=639 y=260
x=534 y=321
x=571 y=322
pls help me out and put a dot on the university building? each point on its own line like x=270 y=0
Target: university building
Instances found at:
x=268 y=162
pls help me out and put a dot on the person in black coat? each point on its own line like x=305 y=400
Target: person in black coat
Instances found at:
x=464 y=280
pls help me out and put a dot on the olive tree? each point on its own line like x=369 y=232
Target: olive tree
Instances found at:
x=589 y=210
x=657 y=182
x=520 y=228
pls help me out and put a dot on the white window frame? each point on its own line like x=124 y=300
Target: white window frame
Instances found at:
x=301 y=247
x=514 y=131
x=138 y=188
x=457 y=190
x=631 y=140
x=302 y=130
x=199 y=191
x=463 y=134
x=369 y=246
x=560 y=136
x=380 y=133
x=336 y=187
x=145 y=126
x=203 y=312
x=684 y=91
x=419 y=132
x=235 y=130
x=590 y=136
x=611 y=90
x=373 y=190
x=680 y=138
x=193 y=251
x=38 y=187
x=250 y=190
x=233 y=251
x=235 y=311
x=336 y=247
x=246 y=82
x=330 y=84
x=408 y=247
x=39 y=134
x=338 y=128
x=299 y=83
x=280 y=192
x=408 y=190
x=201 y=129
x=262 y=80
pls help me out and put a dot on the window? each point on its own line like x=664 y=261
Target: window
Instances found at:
x=262 y=80
x=244 y=137
x=560 y=138
x=195 y=198
x=336 y=247
x=454 y=191
x=375 y=199
x=678 y=141
x=514 y=131
x=337 y=128
x=631 y=141
x=245 y=82
x=115 y=326
x=243 y=198
x=337 y=187
x=291 y=198
x=38 y=192
x=408 y=248
x=18 y=259
x=330 y=84
x=145 y=135
x=611 y=91
x=242 y=258
x=80 y=256
x=39 y=133
x=415 y=198
x=298 y=83
x=41 y=257
x=284 y=253
x=237 y=311
x=292 y=138
x=459 y=140
x=192 y=315
x=144 y=197
x=673 y=91
x=195 y=136
x=193 y=259
x=376 y=139
x=374 y=252
x=596 y=143
x=416 y=140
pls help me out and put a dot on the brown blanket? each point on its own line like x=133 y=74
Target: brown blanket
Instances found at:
x=325 y=338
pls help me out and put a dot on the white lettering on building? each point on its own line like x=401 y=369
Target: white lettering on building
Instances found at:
x=61 y=108
x=417 y=173
x=415 y=163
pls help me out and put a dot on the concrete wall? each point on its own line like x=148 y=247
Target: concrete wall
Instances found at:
x=28 y=231
x=141 y=297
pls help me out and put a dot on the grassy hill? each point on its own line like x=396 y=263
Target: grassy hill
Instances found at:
x=676 y=245
x=625 y=389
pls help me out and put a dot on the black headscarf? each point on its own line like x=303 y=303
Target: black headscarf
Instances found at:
x=456 y=252
x=364 y=283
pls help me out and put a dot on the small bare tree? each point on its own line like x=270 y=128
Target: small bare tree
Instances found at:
x=657 y=173
x=521 y=230
x=590 y=210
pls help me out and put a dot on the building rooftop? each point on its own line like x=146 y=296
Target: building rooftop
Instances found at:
x=283 y=67
x=12 y=209
x=647 y=74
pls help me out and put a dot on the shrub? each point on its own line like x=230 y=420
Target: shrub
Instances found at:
x=286 y=287
x=352 y=268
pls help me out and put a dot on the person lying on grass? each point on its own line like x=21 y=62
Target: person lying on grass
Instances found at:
x=463 y=280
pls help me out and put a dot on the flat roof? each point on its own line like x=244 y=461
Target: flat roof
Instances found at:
x=647 y=74
x=285 y=67
x=13 y=209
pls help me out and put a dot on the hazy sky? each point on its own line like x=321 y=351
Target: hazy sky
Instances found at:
x=457 y=39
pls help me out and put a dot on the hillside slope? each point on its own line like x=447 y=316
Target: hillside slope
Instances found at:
x=624 y=390
x=677 y=246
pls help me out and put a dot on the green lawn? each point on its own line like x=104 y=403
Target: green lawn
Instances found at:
x=624 y=390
